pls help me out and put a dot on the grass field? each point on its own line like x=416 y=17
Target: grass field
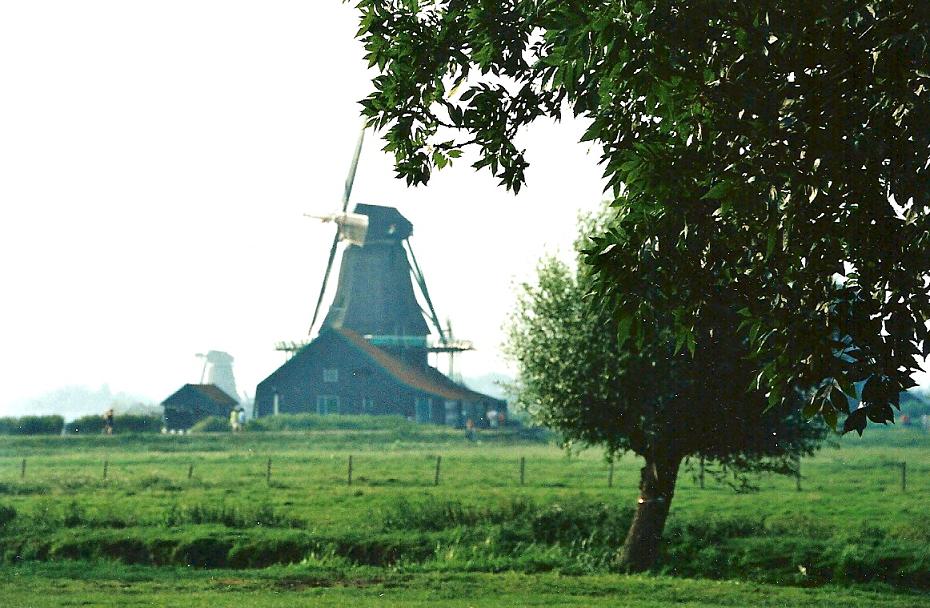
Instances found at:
x=74 y=584
x=149 y=535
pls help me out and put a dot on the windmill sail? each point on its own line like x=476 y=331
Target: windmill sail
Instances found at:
x=421 y=283
x=347 y=194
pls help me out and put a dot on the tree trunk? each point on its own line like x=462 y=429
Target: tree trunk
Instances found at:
x=656 y=488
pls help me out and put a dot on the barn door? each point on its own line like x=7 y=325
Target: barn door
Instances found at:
x=423 y=409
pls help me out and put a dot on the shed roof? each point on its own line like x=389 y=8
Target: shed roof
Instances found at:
x=210 y=392
x=425 y=378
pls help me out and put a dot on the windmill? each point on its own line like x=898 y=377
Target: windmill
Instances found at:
x=218 y=370
x=378 y=274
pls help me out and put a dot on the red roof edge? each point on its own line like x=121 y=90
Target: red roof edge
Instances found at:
x=429 y=380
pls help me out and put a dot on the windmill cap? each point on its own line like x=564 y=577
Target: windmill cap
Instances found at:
x=385 y=223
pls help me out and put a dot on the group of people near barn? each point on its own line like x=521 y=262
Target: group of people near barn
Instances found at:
x=237 y=419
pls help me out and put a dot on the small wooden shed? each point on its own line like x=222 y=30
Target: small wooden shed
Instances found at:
x=194 y=402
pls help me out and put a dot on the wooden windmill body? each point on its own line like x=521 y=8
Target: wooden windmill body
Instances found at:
x=371 y=353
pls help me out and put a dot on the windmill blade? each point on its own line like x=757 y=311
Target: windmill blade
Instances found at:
x=329 y=267
x=346 y=195
x=421 y=282
x=350 y=179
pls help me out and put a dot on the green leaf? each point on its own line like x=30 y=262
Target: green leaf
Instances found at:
x=719 y=191
x=623 y=329
x=839 y=401
x=811 y=409
x=856 y=421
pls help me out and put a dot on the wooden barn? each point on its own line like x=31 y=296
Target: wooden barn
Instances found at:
x=342 y=372
x=194 y=402
x=371 y=355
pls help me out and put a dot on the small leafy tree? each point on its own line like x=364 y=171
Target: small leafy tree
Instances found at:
x=660 y=401
x=780 y=146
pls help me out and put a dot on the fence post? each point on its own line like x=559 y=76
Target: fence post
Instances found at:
x=903 y=476
x=106 y=465
x=610 y=475
x=438 y=462
x=190 y=470
x=522 y=469
x=350 y=469
x=268 y=473
x=797 y=477
x=701 y=474
x=22 y=473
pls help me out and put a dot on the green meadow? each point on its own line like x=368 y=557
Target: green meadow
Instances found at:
x=203 y=519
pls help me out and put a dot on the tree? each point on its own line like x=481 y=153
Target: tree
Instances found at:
x=657 y=401
x=777 y=146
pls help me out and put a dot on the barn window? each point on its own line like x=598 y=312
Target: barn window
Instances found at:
x=327 y=404
x=331 y=375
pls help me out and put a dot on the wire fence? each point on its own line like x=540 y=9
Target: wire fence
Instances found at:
x=399 y=470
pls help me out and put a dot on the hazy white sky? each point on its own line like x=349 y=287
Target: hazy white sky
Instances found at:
x=155 y=162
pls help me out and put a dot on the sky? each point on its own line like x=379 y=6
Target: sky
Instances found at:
x=156 y=160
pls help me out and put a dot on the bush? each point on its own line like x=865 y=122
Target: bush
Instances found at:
x=32 y=425
x=125 y=423
x=211 y=424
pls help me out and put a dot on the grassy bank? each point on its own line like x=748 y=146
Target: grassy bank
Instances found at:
x=209 y=502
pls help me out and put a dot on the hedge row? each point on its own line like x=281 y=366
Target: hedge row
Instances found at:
x=32 y=425
x=309 y=422
x=125 y=423
x=317 y=422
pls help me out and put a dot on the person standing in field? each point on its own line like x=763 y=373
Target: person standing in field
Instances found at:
x=234 y=420
x=241 y=418
x=108 y=421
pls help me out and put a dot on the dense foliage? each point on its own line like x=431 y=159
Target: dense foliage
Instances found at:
x=778 y=147
x=576 y=377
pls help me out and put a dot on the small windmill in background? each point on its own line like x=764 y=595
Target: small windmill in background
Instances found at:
x=218 y=370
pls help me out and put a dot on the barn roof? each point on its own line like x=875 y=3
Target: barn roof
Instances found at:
x=425 y=378
x=209 y=392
